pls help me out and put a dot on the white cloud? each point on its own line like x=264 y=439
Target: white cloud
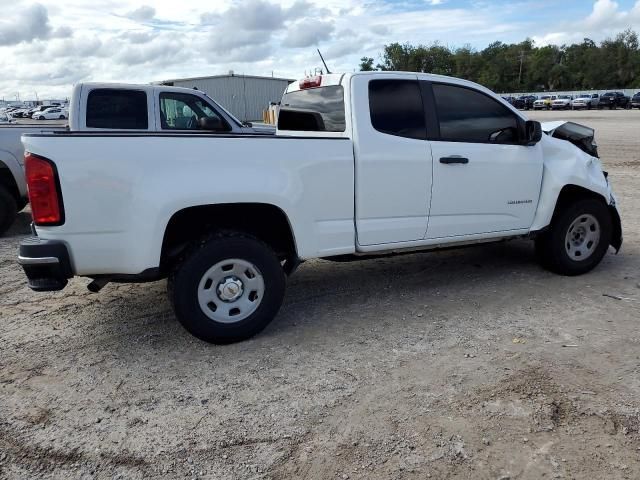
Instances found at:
x=142 y=14
x=606 y=18
x=27 y=25
x=47 y=45
x=307 y=33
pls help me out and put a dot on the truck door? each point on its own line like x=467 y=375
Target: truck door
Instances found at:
x=484 y=179
x=392 y=159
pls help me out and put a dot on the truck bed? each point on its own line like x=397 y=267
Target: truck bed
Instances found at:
x=118 y=188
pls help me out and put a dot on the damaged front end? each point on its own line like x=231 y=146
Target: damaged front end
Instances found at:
x=581 y=136
x=571 y=159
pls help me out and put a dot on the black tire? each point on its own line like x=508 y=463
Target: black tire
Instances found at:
x=23 y=202
x=551 y=248
x=61 y=117
x=183 y=286
x=8 y=209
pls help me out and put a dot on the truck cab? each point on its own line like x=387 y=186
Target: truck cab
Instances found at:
x=151 y=108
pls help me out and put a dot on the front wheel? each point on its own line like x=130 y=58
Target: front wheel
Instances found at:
x=227 y=289
x=578 y=239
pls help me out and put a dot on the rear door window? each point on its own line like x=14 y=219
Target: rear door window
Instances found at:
x=313 y=110
x=117 y=109
x=396 y=108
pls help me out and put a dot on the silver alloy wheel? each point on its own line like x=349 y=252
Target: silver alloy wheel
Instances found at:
x=582 y=237
x=231 y=290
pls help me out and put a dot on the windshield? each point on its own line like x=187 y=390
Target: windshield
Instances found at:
x=234 y=119
x=546 y=97
x=564 y=97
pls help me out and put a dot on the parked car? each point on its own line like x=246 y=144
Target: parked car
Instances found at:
x=5 y=119
x=562 y=102
x=544 y=102
x=613 y=100
x=101 y=106
x=227 y=218
x=585 y=101
x=635 y=101
x=19 y=113
x=524 y=102
x=34 y=112
x=55 y=113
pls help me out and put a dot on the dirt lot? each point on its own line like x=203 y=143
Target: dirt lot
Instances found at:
x=473 y=364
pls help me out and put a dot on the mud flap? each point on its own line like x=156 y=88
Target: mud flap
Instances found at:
x=616 y=224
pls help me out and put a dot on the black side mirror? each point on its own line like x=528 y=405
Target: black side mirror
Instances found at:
x=533 y=133
x=210 y=123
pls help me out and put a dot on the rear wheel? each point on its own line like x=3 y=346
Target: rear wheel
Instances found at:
x=578 y=239
x=8 y=209
x=61 y=117
x=227 y=289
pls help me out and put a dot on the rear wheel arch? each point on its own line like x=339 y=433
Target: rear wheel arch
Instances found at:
x=266 y=222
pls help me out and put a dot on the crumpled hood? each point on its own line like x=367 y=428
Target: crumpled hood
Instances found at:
x=579 y=135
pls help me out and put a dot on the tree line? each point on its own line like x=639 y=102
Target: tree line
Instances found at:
x=524 y=67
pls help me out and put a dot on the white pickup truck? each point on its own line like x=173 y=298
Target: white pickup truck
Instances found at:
x=109 y=106
x=362 y=164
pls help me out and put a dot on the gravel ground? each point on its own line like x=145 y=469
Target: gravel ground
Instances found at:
x=471 y=364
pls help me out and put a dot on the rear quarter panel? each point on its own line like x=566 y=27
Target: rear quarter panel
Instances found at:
x=119 y=192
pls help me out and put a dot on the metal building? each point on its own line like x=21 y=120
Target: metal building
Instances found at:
x=245 y=96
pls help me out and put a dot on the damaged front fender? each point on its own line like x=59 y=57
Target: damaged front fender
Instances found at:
x=564 y=164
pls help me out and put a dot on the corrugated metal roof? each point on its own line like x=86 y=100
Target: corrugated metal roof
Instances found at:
x=222 y=76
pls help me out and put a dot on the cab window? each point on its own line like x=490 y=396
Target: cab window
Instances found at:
x=180 y=111
x=396 y=108
x=467 y=115
x=117 y=109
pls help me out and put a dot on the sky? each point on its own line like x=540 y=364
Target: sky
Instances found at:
x=47 y=46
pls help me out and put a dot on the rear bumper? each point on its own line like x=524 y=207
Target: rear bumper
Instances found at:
x=46 y=264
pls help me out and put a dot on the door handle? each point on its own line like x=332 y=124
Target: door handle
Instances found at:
x=454 y=159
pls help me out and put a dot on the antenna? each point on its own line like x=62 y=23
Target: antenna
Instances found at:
x=323 y=62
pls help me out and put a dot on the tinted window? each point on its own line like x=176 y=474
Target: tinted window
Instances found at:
x=117 y=109
x=179 y=111
x=396 y=108
x=467 y=115
x=314 y=110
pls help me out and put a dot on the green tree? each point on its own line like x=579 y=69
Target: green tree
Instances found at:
x=366 y=64
x=524 y=67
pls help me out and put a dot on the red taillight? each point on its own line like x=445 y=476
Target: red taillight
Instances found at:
x=310 y=82
x=44 y=196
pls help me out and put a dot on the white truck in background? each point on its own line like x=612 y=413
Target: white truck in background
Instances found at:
x=362 y=164
x=109 y=106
